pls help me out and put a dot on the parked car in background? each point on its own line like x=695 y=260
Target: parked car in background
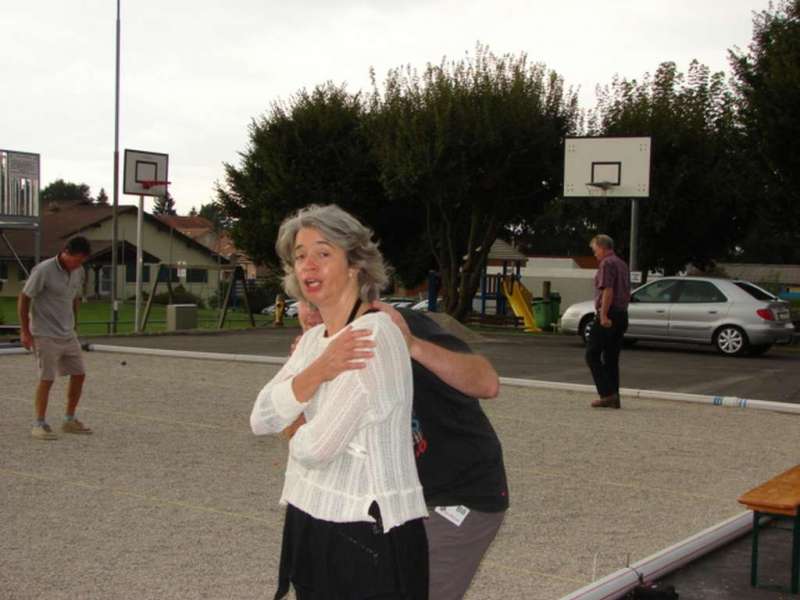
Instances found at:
x=421 y=305
x=290 y=310
x=736 y=316
x=399 y=302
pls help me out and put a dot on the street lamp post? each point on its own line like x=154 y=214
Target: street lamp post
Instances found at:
x=115 y=205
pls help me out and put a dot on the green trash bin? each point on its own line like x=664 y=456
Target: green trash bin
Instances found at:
x=541 y=312
x=555 y=308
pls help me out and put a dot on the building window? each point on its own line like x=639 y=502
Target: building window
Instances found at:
x=173 y=275
x=196 y=276
x=130 y=273
x=3 y=270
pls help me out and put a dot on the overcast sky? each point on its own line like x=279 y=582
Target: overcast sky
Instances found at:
x=195 y=73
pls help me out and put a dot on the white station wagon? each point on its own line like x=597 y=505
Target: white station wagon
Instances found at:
x=736 y=316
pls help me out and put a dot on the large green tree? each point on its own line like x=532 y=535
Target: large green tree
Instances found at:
x=102 y=197
x=768 y=85
x=560 y=229
x=164 y=205
x=698 y=208
x=471 y=145
x=65 y=192
x=214 y=212
x=314 y=148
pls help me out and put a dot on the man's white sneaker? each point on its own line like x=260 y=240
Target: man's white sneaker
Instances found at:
x=43 y=432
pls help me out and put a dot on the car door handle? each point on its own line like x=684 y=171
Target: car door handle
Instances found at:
x=712 y=312
x=660 y=312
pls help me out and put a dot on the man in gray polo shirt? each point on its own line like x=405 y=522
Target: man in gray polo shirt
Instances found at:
x=48 y=305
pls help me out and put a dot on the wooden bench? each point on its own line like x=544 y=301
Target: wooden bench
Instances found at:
x=780 y=498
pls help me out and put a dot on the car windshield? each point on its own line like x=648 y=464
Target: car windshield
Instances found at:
x=755 y=291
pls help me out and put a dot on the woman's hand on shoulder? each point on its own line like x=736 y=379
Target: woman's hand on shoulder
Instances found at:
x=348 y=351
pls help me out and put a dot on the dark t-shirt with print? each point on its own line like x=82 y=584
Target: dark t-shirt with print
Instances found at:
x=459 y=457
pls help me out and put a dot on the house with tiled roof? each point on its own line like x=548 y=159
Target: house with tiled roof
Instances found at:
x=199 y=270
x=203 y=231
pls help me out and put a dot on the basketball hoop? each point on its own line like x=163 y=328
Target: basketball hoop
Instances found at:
x=599 y=188
x=153 y=183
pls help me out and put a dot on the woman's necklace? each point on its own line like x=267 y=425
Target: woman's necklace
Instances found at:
x=352 y=316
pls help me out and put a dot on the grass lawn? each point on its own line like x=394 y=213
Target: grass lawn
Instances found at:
x=94 y=315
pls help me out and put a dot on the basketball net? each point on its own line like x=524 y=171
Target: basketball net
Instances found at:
x=598 y=189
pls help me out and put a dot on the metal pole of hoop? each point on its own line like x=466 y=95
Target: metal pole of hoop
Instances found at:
x=137 y=321
x=633 y=262
x=600 y=188
x=115 y=205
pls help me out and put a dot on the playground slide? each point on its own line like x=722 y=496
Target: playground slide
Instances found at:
x=520 y=300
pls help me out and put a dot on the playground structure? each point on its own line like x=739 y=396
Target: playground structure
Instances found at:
x=521 y=301
x=507 y=291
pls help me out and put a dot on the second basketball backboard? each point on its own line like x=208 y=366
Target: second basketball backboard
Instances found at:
x=616 y=167
x=142 y=169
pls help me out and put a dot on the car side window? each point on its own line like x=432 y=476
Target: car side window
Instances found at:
x=700 y=291
x=658 y=291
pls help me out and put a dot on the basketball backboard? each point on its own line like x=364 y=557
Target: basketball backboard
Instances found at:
x=19 y=189
x=615 y=167
x=141 y=169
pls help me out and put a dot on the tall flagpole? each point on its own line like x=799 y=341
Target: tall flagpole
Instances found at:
x=115 y=206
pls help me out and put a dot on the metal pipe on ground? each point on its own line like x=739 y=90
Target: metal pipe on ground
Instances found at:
x=632 y=394
x=626 y=393
x=251 y=358
x=664 y=562
x=19 y=350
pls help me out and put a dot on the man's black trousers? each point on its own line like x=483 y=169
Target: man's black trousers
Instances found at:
x=602 y=351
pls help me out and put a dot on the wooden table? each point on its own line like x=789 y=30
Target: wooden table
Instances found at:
x=779 y=498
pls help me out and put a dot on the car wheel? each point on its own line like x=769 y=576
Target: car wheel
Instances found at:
x=731 y=340
x=585 y=328
x=759 y=349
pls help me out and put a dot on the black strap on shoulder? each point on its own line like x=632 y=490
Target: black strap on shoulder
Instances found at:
x=353 y=312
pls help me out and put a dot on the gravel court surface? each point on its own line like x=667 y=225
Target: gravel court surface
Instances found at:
x=173 y=497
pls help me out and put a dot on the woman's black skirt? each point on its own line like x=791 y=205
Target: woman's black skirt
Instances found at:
x=352 y=561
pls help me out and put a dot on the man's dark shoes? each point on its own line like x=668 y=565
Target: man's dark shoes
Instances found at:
x=610 y=401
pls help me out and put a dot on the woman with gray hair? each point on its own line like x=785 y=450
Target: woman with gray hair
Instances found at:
x=353 y=526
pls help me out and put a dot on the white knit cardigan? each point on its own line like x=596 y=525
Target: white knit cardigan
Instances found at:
x=356 y=445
